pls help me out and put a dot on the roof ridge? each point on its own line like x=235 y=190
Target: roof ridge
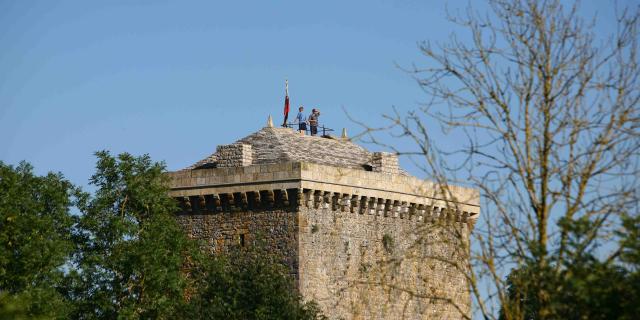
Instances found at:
x=274 y=145
x=281 y=149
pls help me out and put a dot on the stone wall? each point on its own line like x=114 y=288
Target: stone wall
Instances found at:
x=363 y=244
x=234 y=155
x=368 y=266
x=296 y=175
x=219 y=231
x=354 y=262
x=385 y=162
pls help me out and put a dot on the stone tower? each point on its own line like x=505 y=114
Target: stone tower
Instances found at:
x=361 y=237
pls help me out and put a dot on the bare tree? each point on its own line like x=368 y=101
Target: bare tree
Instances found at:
x=551 y=118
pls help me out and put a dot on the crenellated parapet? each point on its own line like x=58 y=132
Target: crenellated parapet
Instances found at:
x=293 y=199
x=294 y=185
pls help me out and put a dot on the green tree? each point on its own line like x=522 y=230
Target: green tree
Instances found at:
x=124 y=256
x=248 y=284
x=132 y=252
x=134 y=260
x=35 y=242
x=585 y=289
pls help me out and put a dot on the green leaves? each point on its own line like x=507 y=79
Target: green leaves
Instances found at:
x=124 y=256
x=35 y=241
x=132 y=252
x=581 y=288
x=248 y=284
x=630 y=241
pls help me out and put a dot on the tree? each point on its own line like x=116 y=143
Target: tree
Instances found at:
x=599 y=289
x=551 y=122
x=135 y=261
x=248 y=284
x=591 y=289
x=35 y=242
x=132 y=252
x=125 y=256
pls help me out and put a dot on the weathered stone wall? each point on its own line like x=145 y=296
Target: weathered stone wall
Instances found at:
x=368 y=266
x=354 y=265
x=288 y=175
x=219 y=231
x=332 y=224
x=234 y=155
x=385 y=162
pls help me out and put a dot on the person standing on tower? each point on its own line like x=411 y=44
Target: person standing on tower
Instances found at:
x=313 y=121
x=301 y=120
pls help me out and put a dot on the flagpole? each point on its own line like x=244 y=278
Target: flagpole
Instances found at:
x=286 y=102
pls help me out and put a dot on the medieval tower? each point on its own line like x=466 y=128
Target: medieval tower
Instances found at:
x=361 y=237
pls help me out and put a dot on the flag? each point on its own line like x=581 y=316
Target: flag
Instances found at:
x=286 y=102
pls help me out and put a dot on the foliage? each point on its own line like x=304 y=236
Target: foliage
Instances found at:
x=248 y=284
x=589 y=289
x=132 y=251
x=35 y=242
x=125 y=256
x=629 y=236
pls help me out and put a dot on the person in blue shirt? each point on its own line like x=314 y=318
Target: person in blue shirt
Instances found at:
x=301 y=120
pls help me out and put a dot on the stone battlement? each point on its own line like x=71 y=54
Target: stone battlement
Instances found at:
x=319 y=185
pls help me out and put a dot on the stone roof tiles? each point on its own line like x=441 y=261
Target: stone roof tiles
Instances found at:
x=275 y=145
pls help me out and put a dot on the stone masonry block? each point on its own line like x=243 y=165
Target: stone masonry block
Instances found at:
x=385 y=162
x=234 y=155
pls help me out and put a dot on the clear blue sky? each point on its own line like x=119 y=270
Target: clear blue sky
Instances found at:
x=176 y=78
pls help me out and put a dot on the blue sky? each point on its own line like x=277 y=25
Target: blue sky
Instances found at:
x=176 y=78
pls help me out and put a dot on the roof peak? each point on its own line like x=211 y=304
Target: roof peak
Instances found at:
x=277 y=145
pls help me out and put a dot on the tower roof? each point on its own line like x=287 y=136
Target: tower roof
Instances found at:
x=276 y=145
